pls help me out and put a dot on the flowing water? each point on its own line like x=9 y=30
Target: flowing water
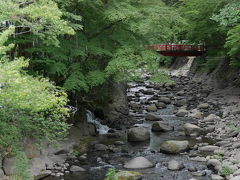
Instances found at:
x=91 y=119
x=98 y=162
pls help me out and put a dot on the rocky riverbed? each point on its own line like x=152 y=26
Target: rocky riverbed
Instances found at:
x=180 y=131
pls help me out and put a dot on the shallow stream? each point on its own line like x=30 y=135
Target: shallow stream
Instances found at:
x=98 y=162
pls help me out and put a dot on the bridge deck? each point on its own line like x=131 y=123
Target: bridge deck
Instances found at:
x=179 y=50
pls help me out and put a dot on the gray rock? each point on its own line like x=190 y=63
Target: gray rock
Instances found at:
x=199 y=173
x=182 y=113
x=165 y=100
x=31 y=148
x=235 y=178
x=199 y=159
x=161 y=127
x=192 y=169
x=152 y=108
x=181 y=102
x=203 y=106
x=138 y=163
x=138 y=134
x=237 y=173
x=38 y=167
x=191 y=130
x=9 y=166
x=175 y=165
x=174 y=147
x=131 y=175
x=216 y=177
x=214 y=164
x=119 y=143
x=196 y=114
x=77 y=169
x=100 y=147
x=209 y=148
x=153 y=117
x=1 y=174
x=210 y=118
x=160 y=105
x=148 y=92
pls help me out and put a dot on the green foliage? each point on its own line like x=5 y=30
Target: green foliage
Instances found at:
x=3 y=39
x=29 y=106
x=201 y=28
x=111 y=174
x=21 y=167
x=210 y=64
x=229 y=20
x=42 y=18
x=109 y=48
x=166 y=60
x=233 y=41
x=161 y=77
x=228 y=16
x=226 y=171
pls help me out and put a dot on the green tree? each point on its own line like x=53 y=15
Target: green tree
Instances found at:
x=110 y=46
x=229 y=20
x=31 y=107
x=201 y=27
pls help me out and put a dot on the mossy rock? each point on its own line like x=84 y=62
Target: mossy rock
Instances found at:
x=174 y=147
x=84 y=144
x=129 y=175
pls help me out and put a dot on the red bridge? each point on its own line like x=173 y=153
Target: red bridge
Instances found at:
x=179 y=50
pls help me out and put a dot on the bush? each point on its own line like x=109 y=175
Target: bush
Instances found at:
x=29 y=107
x=225 y=170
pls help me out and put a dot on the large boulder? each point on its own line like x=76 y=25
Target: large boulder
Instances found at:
x=210 y=118
x=181 y=102
x=214 y=164
x=9 y=166
x=138 y=134
x=100 y=147
x=1 y=174
x=174 y=146
x=152 y=108
x=191 y=129
x=182 y=113
x=160 y=105
x=196 y=114
x=153 y=117
x=31 y=148
x=129 y=175
x=77 y=169
x=138 y=163
x=175 y=165
x=161 y=127
x=38 y=168
x=148 y=92
x=165 y=100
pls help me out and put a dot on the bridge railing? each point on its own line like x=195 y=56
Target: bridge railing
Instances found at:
x=170 y=47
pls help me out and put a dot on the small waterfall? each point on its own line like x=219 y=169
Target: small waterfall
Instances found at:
x=184 y=70
x=101 y=129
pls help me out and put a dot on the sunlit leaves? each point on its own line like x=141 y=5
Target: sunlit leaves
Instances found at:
x=30 y=106
x=42 y=18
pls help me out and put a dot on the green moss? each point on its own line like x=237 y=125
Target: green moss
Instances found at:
x=225 y=170
x=83 y=145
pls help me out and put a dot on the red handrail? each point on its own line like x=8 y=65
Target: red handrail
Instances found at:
x=170 y=47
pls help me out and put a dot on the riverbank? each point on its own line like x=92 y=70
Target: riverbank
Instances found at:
x=185 y=112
